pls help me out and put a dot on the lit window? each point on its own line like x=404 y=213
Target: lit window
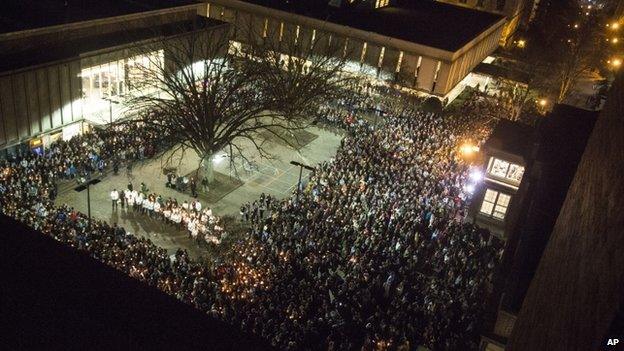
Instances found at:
x=266 y=28
x=515 y=173
x=297 y=34
x=281 y=32
x=381 y=56
x=499 y=168
x=363 y=52
x=398 y=66
x=505 y=170
x=495 y=204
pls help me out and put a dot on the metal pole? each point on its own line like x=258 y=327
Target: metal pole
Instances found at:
x=299 y=183
x=89 y=202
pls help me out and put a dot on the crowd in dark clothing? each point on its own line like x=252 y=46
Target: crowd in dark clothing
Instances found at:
x=373 y=254
x=376 y=253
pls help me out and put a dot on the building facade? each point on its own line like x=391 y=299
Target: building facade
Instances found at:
x=78 y=74
x=428 y=68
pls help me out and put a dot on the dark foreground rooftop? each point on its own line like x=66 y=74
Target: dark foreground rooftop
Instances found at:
x=18 y=15
x=54 y=297
x=425 y=22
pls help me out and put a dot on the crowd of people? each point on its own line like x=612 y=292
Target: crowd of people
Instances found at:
x=373 y=254
x=376 y=253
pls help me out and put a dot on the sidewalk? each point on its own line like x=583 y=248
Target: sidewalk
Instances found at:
x=276 y=177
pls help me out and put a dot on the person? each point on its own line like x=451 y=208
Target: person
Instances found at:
x=130 y=187
x=114 y=195
x=122 y=199
x=193 y=187
x=138 y=202
x=129 y=200
x=205 y=186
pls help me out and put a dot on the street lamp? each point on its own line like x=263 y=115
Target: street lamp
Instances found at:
x=468 y=149
x=543 y=102
x=521 y=43
x=301 y=167
x=87 y=184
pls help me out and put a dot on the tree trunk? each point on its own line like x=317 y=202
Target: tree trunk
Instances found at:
x=207 y=168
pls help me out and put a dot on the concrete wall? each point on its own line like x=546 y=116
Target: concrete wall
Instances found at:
x=578 y=287
x=39 y=100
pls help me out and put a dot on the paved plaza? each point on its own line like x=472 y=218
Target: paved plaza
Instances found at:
x=275 y=176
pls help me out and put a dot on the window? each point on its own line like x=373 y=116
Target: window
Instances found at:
x=363 y=55
x=297 y=34
x=281 y=31
x=114 y=78
x=495 y=204
x=381 y=56
x=398 y=66
x=502 y=169
x=266 y=28
x=381 y=3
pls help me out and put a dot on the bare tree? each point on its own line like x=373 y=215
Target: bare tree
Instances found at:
x=206 y=93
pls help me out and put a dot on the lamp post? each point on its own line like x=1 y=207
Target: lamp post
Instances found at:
x=87 y=184
x=301 y=167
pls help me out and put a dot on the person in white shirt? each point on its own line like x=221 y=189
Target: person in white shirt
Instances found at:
x=138 y=202
x=198 y=206
x=167 y=214
x=157 y=208
x=114 y=195
x=146 y=202
x=129 y=199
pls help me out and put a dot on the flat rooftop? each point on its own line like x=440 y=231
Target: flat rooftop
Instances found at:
x=69 y=49
x=513 y=137
x=19 y=15
x=425 y=22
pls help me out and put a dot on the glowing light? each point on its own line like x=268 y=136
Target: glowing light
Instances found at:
x=615 y=25
x=576 y=26
x=521 y=43
x=543 y=102
x=216 y=159
x=476 y=175
x=468 y=149
x=616 y=62
x=469 y=188
x=614 y=40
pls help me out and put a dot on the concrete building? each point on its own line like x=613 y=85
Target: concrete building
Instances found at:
x=65 y=65
x=506 y=154
x=422 y=45
x=58 y=79
x=549 y=155
x=516 y=12
x=575 y=300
